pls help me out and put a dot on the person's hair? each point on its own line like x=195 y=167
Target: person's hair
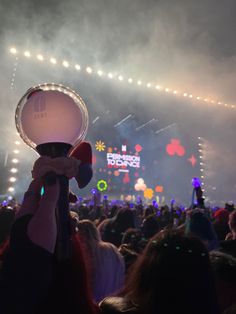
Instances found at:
x=150 y=226
x=88 y=230
x=201 y=227
x=232 y=220
x=224 y=266
x=173 y=275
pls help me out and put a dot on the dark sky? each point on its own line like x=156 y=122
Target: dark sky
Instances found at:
x=185 y=44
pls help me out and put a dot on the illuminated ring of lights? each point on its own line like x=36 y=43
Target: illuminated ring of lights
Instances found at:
x=102 y=185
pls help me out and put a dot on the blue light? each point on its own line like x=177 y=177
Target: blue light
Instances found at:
x=196 y=182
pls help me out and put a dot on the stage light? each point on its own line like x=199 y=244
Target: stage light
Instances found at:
x=198 y=98
x=212 y=102
x=15 y=161
x=65 y=64
x=11 y=189
x=175 y=92
x=120 y=77
x=200 y=157
x=200 y=144
x=185 y=94
x=27 y=54
x=14 y=170
x=201 y=170
x=206 y=100
x=201 y=163
x=12 y=179
x=13 y=50
x=167 y=90
x=16 y=151
x=17 y=142
x=219 y=103
x=77 y=67
x=130 y=80
x=99 y=72
x=110 y=75
x=53 y=60
x=226 y=105
x=89 y=70
x=40 y=57
x=202 y=177
x=199 y=138
x=158 y=87
x=149 y=85
x=232 y=106
x=190 y=96
x=139 y=82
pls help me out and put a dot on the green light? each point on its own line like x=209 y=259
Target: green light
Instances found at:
x=102 y=185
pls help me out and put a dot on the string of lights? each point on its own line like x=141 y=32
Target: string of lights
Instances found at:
x=121 y=78
x=201 y=162
x=13 y=169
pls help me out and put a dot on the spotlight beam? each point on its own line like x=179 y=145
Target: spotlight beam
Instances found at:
x=145 y=124
x=123 y=120
x=96 y=119
x=165 y=128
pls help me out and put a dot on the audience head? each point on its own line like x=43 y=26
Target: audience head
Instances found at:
x=173 y=275
x=200 y=226
x=224 y=267
x=232 y=222
x=150 y=226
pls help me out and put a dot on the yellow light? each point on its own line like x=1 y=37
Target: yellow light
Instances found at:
x=89 y=70
x=232 y=106
x=139 y=82
x=11 y=189
x=206 y=100
x=198 y=98
x=149 y=85
x=14 y=170
x=12 y=179
x=120 y=77
x=158 y=87
x=167 y=90
x=65 y=64
x=110 y=75
x=40 y=57
x=226 y=105
x=190 y=96
x=53 y=60
x=212 y=102
x=13 y=50
x=130 y=80
x=17 y=142
x=77 y=67
x=219 y=103
x=185 y=94
x=175 y=92
x=15 y=161
x=16 y=151
x=27 y=54
x=99 y=72
x=202 y=177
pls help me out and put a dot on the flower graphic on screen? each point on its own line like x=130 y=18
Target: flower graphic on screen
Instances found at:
x=148 y=193
x=175 y=148
x=100 y=146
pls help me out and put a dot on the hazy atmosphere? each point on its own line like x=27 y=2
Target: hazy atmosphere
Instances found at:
x=186 y=46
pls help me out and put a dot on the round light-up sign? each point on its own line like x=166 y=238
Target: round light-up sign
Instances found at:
x=51 y=113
